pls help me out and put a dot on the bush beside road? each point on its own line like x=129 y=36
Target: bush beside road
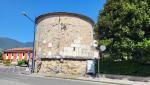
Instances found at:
x=124 y=68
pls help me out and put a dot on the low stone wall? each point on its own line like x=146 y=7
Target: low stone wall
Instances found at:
x=67 y=67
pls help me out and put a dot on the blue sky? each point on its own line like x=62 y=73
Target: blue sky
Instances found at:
x=18 y=27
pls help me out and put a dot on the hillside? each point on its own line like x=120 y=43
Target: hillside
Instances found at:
x=7 y=43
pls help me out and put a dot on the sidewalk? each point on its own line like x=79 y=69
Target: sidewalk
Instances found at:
x=7 y=82
x=100 y=79
x=12 y=69
x=115 y=81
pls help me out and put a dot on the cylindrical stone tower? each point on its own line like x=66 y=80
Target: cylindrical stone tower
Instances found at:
x=63 y=40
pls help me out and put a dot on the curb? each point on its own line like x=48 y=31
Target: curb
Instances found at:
x=88 y=80
x=78 y=79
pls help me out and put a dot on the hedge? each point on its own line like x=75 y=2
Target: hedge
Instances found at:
x=123 y=68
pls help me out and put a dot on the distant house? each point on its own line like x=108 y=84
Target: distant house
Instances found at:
x=17 y=54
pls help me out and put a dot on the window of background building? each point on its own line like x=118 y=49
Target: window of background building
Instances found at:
x=22 y=54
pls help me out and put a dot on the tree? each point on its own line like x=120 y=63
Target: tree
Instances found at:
x=124 y=27
x=1 y=56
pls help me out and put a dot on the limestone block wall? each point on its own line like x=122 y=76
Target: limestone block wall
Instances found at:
x=64 y=36
x=68 y=67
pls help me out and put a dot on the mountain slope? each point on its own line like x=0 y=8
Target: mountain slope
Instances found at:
x=7 y=43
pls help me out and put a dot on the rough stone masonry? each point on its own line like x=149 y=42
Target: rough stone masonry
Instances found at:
x=64 y=43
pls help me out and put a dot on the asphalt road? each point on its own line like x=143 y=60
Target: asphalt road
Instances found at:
x=14 y=79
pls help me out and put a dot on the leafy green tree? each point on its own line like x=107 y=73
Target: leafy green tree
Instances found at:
x=1 y=56
x=124 y=27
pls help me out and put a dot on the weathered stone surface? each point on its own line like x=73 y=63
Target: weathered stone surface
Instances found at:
x=69 y=67
x=65 y=37
x=55 y=33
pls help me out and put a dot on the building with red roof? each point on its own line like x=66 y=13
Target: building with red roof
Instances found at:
x=17 y=54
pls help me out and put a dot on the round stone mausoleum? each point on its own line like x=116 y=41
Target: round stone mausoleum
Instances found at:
x=63 y=43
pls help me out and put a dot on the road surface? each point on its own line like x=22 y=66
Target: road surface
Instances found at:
x=14 y=79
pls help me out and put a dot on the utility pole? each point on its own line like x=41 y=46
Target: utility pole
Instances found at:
x=33 y=54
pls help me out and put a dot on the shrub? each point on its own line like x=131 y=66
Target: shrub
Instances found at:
x=7 y=62
x=22 y=62
x=124 y=68
x=1 y=56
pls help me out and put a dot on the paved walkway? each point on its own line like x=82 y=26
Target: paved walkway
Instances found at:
x=14 y=79
x=13 y=69
x=115 y=81
x=22 y=70
x=8 y=82
x=100 y=79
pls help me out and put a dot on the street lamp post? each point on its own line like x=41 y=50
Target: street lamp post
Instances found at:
x=25 y=14
x=33 y=54
x=102 y=48
x=28 y=59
